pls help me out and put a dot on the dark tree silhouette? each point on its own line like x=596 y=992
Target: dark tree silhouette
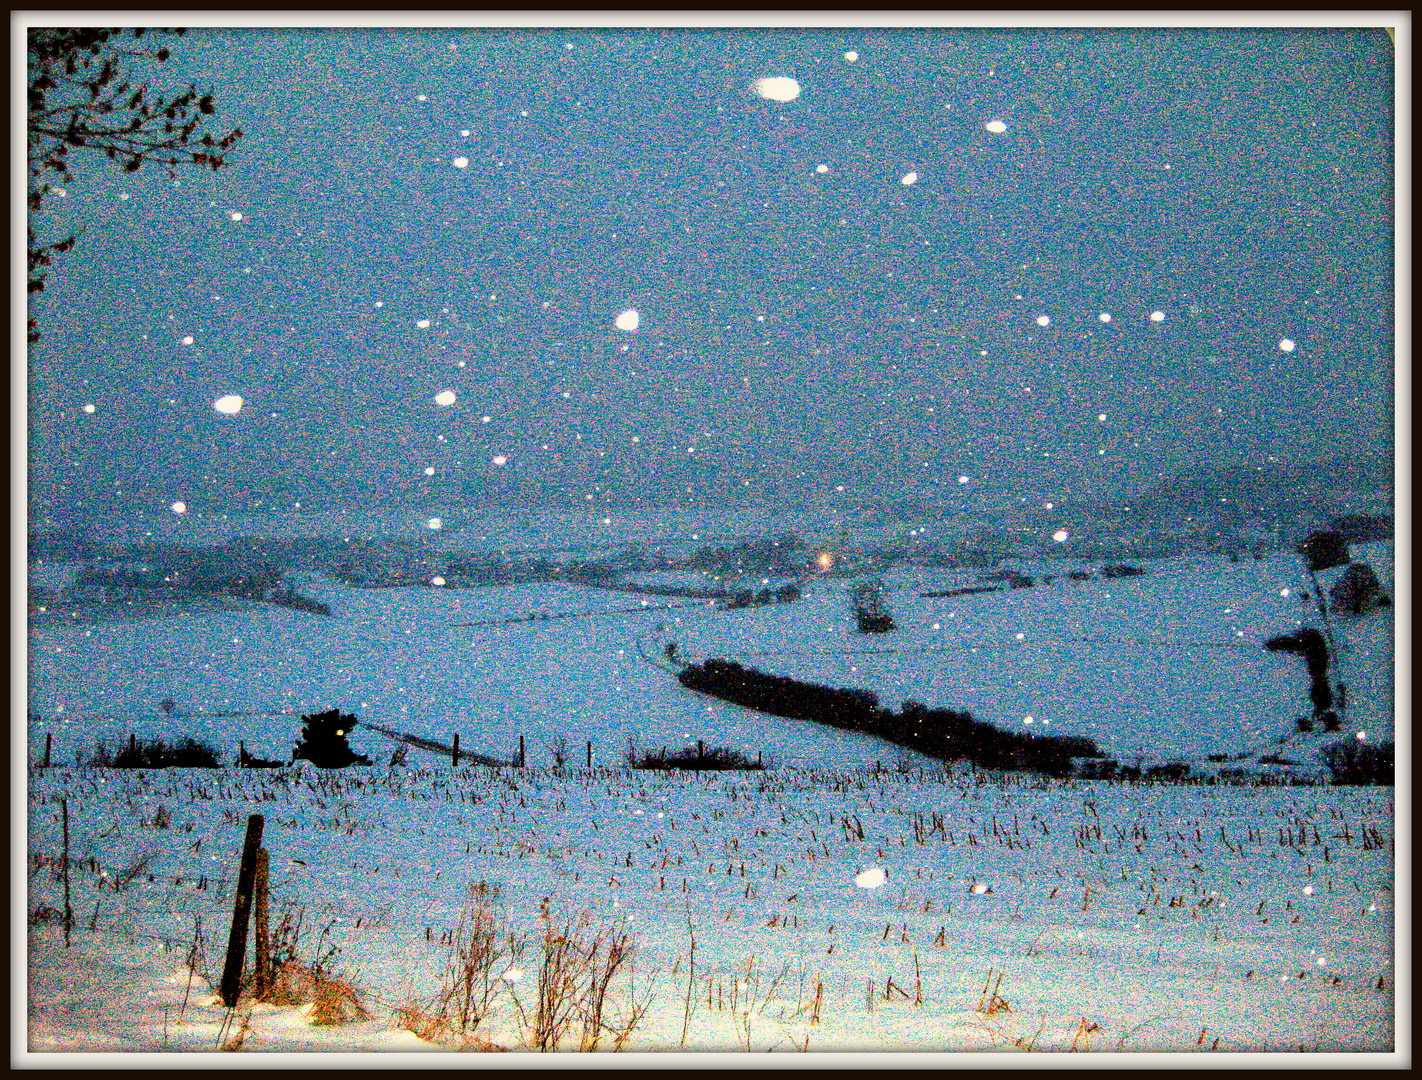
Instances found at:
x=81 y=99
x=323 y=741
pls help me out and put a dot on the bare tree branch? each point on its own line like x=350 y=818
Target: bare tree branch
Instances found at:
x=79 y=98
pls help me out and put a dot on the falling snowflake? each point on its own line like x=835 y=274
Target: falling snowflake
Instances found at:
x=909 y=179
x=179 y=507
x=461 y=163
x=629 y=320
x=445 y=397
x=997 y=127
x=777 y=88
x=231 y=404
x=1287 y=345
x=872 y=878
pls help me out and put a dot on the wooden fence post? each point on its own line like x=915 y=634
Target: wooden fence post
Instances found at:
x=264 y=963
x=241 y=911
x=48 y=744
x=68 y=911
x=589 y=753
x=521 y=758
x=456 y=748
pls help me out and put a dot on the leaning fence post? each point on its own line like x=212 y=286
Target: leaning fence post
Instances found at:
x=521 y=758
x=264 y=964
x=48 y=743
x=241 y=910
x=589 y=753
x=456 y=748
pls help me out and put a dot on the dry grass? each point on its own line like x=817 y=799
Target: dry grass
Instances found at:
x=578 y=969
x=481 y=951
x=437 y=1028
x=332 y=1001
x=990 y=1003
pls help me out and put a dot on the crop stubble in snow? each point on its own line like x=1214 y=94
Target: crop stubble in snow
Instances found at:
x=1123 y=917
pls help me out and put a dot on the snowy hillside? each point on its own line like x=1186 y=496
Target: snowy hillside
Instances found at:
x=834 y=904
x=1168 y=664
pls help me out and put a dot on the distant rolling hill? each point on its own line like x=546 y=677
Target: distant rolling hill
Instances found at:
x=1276 y=490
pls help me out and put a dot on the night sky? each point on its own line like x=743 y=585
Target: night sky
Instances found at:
x=865 y=288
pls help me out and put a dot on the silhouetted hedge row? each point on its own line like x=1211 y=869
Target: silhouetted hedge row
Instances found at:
x=946 y=734
x=718 y=759
x=156 y=754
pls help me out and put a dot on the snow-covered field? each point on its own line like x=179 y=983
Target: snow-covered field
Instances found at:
x=1136 y=918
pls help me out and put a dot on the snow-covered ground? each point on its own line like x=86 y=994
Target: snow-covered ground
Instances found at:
x=1120 y=918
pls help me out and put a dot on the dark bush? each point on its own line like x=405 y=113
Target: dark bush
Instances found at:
x=1358 y=763
x=1121 y=571
x=1324 y=550
x=323 y=741
x=247 y=761
x=1357 y=590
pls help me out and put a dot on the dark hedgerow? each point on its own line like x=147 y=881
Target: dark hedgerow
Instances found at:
x=946 y=734
x=1357 y=763
x=156 y=754
x=716 y=759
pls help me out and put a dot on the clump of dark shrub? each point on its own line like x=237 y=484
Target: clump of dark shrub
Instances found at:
x=1357 y=590
x=156 y=754
x=946 y=734
x=1358 y=763
x=46 y=915
x=1324 y=549
x=289 y=597
x=248 y=761
x=1121 y=571
x=715 y=759
x=1171 y=772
